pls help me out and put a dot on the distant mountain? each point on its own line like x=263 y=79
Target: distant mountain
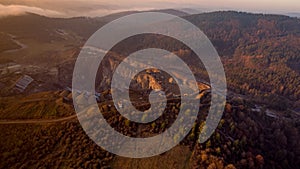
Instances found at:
x=41 y=27
x=192 y=11
x=114 y=16
x=294 y=14
x=172 y=12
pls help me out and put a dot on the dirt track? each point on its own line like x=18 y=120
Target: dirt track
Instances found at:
x=38 y=121
x=43 y=121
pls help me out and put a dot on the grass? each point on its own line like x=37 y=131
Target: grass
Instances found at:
x=6 y=43
x=37 y=106
x=178 y=157
x=39 y=53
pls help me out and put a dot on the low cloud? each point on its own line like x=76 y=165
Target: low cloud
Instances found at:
x=93 y=11
x=102 y=12
x=75 y=8
x=7 y=10
x=72 y=8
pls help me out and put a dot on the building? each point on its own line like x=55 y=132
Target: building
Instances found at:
x=23 y=83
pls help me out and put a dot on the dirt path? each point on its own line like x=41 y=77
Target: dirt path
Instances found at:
x=22 y=46
x=63 y=119
x=38 y=121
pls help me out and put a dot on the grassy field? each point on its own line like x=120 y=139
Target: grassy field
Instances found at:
x=46 y=105
x=178 y=157
x=39 y=53
x=6 y=43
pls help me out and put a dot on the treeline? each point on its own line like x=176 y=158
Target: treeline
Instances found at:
x=247 y=138
x=274 y=87
x=261 y=53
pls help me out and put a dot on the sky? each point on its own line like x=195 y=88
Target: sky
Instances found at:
x=71 y=8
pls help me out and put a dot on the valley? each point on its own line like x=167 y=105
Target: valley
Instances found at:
x=260 y=124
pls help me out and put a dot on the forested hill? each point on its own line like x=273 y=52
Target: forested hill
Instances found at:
x=259 y=128
x=261 y=53
x=233 y=30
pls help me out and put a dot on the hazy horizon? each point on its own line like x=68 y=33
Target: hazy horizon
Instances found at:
x=93 y=8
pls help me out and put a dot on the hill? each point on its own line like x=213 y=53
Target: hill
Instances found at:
x=261 y=53
x=259 y=128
